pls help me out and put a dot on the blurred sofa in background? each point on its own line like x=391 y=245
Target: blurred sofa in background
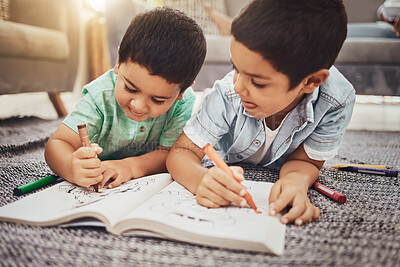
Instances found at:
x=372 y=64
x=39 y=44
x=370 y=57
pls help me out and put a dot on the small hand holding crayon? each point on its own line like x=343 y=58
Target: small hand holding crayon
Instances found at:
x=217 y=188
x=85 y=163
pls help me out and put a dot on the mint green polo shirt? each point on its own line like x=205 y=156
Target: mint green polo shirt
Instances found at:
x=119 y=136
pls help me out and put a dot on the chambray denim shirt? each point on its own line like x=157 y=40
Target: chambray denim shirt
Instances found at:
x=319 y=121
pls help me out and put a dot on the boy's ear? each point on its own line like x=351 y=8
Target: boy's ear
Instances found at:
x=180 y=96
x=314 y=80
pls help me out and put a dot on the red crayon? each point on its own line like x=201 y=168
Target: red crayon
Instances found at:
x=330 y=193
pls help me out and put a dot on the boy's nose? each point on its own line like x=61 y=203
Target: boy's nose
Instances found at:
x=139 y=105
x=238 y=85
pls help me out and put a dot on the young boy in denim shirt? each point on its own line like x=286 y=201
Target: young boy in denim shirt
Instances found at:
x=136 y=111
x=284 y=106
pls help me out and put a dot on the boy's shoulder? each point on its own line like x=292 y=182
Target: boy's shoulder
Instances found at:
x=105 y=82
x=337 y=90
x=188 y=95
x=225 y=88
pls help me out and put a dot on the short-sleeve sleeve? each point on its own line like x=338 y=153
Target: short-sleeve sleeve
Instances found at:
x=214 y=118
x=88 y=112
x=323 y=143
x=180 y=114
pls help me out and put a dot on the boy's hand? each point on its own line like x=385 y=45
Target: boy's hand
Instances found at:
x=86 y=169
x=292 y=191
x=119 y=170
x=217 y=188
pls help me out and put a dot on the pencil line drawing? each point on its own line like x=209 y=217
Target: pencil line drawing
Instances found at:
x=85 y=196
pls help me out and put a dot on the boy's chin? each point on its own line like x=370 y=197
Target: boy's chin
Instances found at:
x=138 y=119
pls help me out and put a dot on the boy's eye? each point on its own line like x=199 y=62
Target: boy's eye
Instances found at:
x=158 y=102
x=129 y=90
x=257 y=84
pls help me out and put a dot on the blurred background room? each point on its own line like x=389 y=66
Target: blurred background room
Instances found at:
x=50 y=48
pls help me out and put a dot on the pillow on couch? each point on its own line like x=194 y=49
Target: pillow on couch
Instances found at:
x=4 y=10
x=196 y=10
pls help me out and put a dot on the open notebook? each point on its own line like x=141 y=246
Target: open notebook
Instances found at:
x=157 y=206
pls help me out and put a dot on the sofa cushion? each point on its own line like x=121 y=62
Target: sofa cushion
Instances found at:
x=195 y=9
x=41 y=13
x=4 y=9
x=19 y=40
x=370 y=50
x=218 y=49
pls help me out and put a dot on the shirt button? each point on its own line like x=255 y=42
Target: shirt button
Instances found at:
x=142 y=129
x=239 y=157
x=257 y=142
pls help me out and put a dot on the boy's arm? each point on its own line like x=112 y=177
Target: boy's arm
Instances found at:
x=66 y=157
x=297 y=174
x=212 y=187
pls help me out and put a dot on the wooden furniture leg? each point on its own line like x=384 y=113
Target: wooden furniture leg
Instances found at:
x=58 y=104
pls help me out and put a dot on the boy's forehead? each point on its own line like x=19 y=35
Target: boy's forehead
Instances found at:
x=140 y=78
x=252 y=62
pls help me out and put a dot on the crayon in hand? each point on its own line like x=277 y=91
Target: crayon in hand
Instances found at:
x=84 y=136
x=213 y=155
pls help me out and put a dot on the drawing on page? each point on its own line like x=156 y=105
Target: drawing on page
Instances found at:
x=85 y=196
x=183 y=209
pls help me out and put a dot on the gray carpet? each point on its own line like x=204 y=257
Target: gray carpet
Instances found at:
x=365 y=231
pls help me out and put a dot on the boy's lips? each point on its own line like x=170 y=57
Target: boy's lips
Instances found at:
x=136 y=113
x=248 y=105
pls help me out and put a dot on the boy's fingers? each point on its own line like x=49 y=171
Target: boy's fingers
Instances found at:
x=275 y=192
x=226 y=180
x=226 y=196
x=117 y=182
x=310 y=214
x=295 y=212
x=107 y=175
x=91 y=173
x=280 y=203
x=227 y=187
x=91 y=181
x=317 y=213
x=96 y=148
x=206 y=202
x=239 y=176
x=217 y=198
x=91 y=163
x=85 y=153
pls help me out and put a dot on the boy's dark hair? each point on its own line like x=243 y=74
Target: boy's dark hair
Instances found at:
x=298 y=37
x=167 y=42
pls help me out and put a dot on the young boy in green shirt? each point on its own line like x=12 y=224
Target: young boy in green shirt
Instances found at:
x=136 y=111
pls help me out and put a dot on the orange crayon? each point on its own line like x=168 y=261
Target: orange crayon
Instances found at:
x=220 y=163
x=84 y=136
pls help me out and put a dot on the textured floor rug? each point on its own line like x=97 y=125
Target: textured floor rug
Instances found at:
x=365 y=231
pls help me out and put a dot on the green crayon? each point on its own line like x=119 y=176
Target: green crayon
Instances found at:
x=23 y=189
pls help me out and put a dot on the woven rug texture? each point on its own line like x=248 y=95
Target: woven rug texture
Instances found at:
x=365 y=231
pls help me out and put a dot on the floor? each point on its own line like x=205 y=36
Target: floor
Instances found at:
x=373 y=113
